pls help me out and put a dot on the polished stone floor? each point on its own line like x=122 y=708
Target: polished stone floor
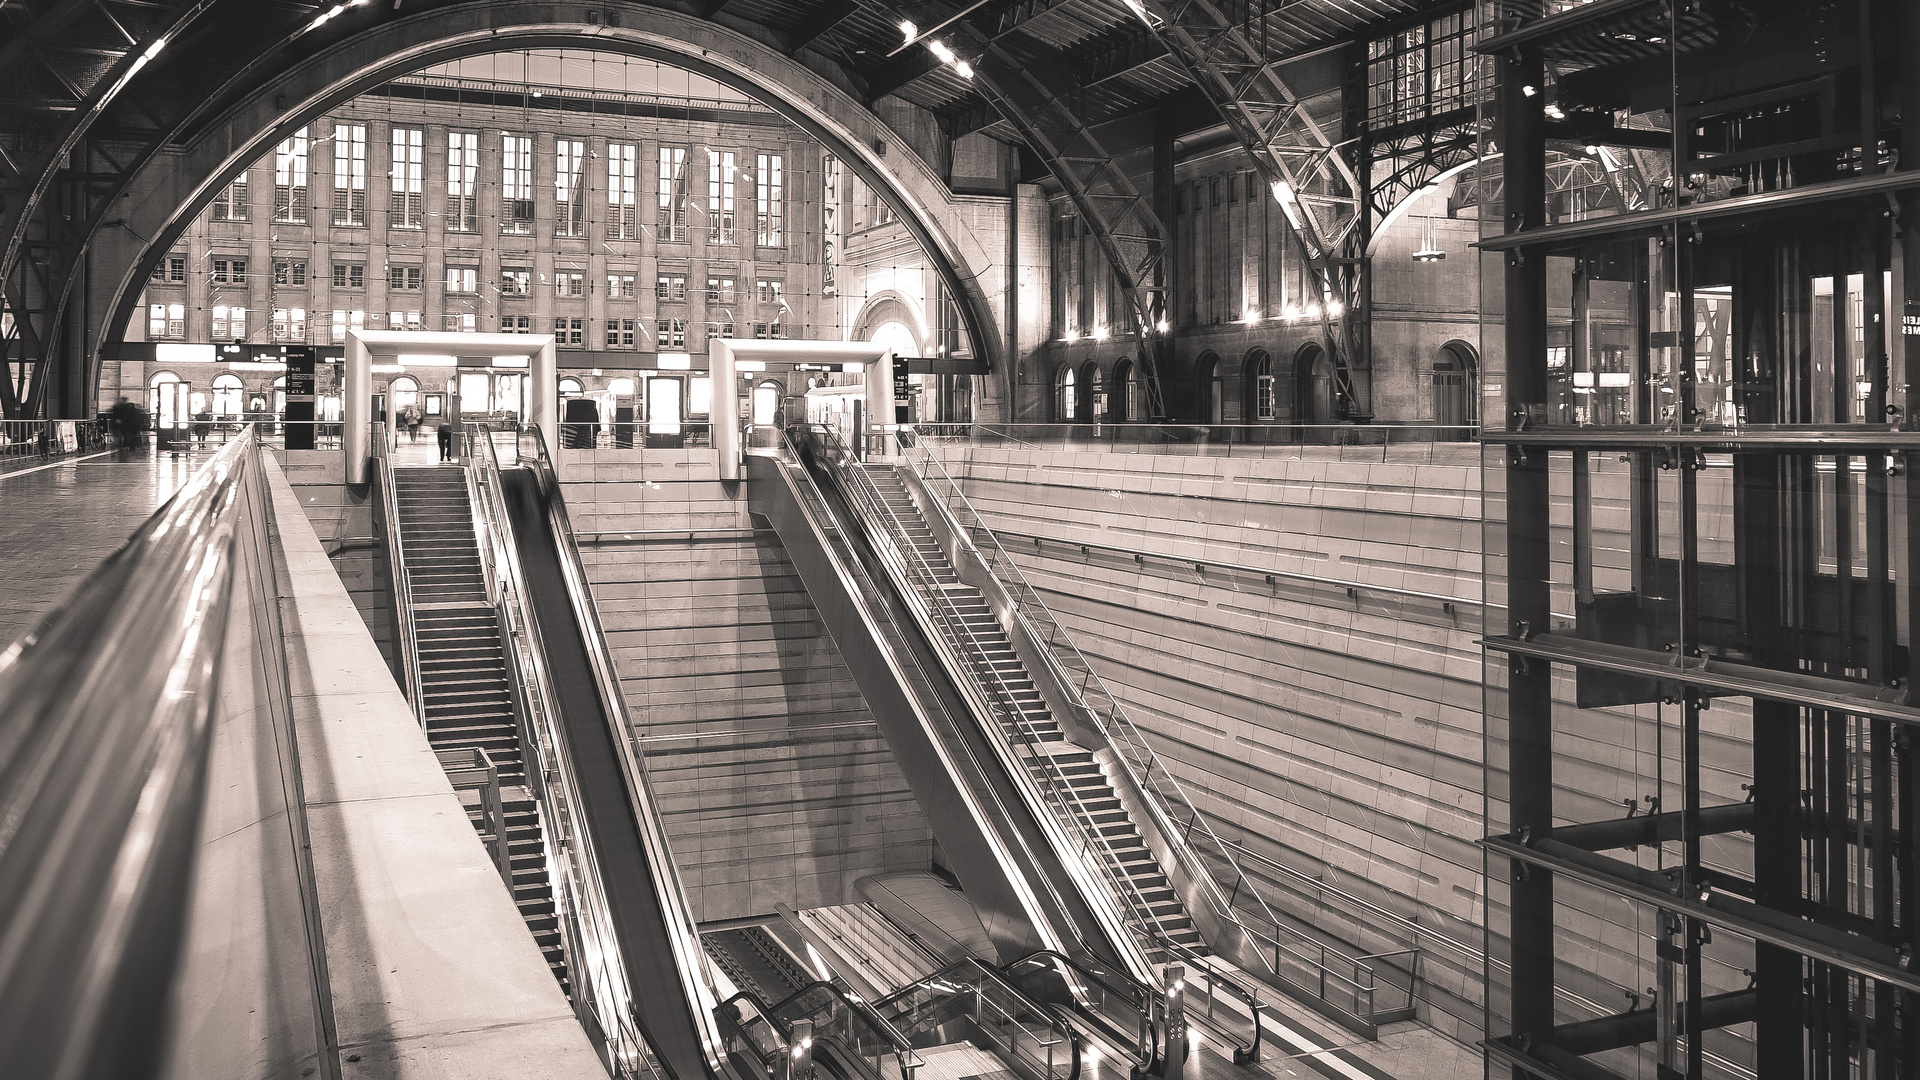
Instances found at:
x=58 y=522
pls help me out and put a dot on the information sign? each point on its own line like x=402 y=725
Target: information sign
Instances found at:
x=301 y=397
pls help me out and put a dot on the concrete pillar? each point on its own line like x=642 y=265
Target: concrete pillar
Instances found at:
x=880 y=412
x=725 y=409
x=356 y=408
x=544 y=409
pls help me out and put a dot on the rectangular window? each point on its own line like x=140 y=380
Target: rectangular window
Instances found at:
x=673 y=333
x=620 y=287
x=349 y=174
x=721 y=330
x=403 y=277
x=171 y=270
x=1422 y=71
x=569 y=187
x=466 y=323
x=229 y=323
x=516 y=183
x=759 y=330
x=720 y=176
x=623 y=220
x=767 y=291
x=290 y=179
x=347 y=320
x=516 y=324
x=231 y=203
x=166 y=320
x=769 y=201
x=230 y=271
x=670 y=287
x=290 y=273
x=290 y=324
x=406 y=177
x=569 y=284
x=720 y=290
x=1263 y=398
x=349 y=276
x=620 y=333
x=515 y=281
x=462 y=279
x=403 y=320
x=463 y=169
x=570 y=331
x=673 y=194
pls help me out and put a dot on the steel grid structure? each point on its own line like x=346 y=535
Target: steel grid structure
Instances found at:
x=1700 y=552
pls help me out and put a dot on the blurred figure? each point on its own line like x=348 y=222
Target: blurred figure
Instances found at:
x=125 y=420
x=410 y=416
x=202 y=427
x=446 y=441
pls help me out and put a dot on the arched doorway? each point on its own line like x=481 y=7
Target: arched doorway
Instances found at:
x=168 y=407
x=1456 y=392
x=1122 y=396
x=1313 y=393
x=1093 y=394
x=1207 y=405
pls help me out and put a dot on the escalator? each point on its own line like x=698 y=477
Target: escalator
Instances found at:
x=1077 y=832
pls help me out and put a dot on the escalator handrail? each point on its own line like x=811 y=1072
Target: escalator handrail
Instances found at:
x=1028 y=605
x=903 y=1049
x=573 y=875
x=108 y=709
x=401 y=582
x=984 y=680
x=987 y=973
x=856 y=582
x=1149 y=1005
x=681 y=928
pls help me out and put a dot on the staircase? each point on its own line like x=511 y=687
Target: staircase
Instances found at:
x=463 y=674
x=1154 y=908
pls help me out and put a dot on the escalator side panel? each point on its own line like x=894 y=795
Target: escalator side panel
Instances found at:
x=961 y=835
x=664 y=1013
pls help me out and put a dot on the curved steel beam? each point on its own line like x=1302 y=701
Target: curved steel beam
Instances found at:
x=170 y=189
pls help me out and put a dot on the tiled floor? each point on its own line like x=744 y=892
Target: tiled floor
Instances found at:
x=58 y=523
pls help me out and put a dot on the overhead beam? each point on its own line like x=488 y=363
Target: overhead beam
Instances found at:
x=821 y=25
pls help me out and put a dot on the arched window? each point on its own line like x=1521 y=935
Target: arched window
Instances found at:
x=1264 y=392
x=570 y=387
x=161 y=378
x=1123 y=408
x=227 y=391
x=1065 y=402
x=1093 y=393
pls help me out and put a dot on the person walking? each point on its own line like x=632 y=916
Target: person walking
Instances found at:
x=202 y=427
x=124 y=419
x=446 y=440
x=411 y=415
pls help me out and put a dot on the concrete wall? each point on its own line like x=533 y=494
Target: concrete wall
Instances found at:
x=1338 y=736
x=775 y=785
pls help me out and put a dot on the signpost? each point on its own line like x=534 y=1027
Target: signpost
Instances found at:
x=301 y=398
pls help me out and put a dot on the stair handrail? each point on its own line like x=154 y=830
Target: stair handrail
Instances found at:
x=1054 y=790
x=1130 y=751
x=1149 y=771
x=944 y=981
x=690 y=955
x=863 y=585
x=1150 y=1006
x=952 y=632
x=601 y=996
x=407 y=647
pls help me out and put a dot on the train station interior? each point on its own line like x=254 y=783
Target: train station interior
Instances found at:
x=959 y=539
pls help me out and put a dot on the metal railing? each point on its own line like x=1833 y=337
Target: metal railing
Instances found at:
x=1084 y=848
x=602 y=997
x=469 y=768
x=1357 y=441
x=44 y=440
x=1028 y=1035
x=406 y=645
x=109 y=707
x=1132 y=1016
x=1347 y=995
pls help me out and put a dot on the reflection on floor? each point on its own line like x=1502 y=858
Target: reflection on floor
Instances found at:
x=58 y=523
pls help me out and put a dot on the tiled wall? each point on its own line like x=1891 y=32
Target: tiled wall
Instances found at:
x=1338 y=735
x=774 y=782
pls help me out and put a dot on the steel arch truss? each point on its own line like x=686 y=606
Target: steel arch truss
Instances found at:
x=1402 y=164
x=1306 y=171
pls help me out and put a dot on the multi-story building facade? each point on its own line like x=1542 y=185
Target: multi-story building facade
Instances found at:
x=628 y=226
